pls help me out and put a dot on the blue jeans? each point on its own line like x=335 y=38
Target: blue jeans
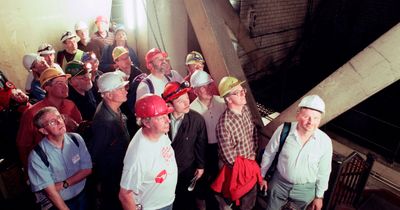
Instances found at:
x=166 y=208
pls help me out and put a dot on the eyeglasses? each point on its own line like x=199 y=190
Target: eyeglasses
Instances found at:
x=54 y=122
x=239 y=92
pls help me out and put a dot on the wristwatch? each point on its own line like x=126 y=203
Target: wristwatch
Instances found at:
x=65 y=184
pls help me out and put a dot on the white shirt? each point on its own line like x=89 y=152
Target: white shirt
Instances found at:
x=158 y=85
x=175 y=124
x=210 y=114
x=298 y=163
x=150 y=171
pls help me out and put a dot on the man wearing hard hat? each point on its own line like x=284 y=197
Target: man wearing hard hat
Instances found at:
x=110 y=138
x=35 y=65
x=304 y=163
x=85 y=43
x=238 y=143
x=150 y=172
x=210 y=107
x=189 y=139
x=55 y=84
x=70 y=52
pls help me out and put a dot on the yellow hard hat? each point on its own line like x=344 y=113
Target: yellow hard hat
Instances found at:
x=118 y=52
x=50 y=74
x=194 y=57
x=227 y=84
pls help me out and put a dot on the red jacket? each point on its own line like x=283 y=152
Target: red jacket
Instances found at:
x=235 y=182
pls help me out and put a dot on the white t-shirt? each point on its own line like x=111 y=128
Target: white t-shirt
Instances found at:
x=158 y=85
x=150 y=171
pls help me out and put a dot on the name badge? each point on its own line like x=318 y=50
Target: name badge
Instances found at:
x=75 y=158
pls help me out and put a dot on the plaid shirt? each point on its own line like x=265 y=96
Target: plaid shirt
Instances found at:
x=237 y=135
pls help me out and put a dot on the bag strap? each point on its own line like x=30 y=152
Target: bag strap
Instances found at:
x=38 y=149
x=150 y=84
x=283 y=136
x=74 y=139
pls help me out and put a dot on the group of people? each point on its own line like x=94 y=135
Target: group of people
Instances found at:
x=102 y=134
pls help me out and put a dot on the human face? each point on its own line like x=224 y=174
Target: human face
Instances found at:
x=49 y=58
x=159 y=64
x=101 y=26
x=308 y=119
x=181 y=104
x=71 y=45
x=40 y=65
x=53 y=124
x=237 y=96
x=82 y=82
x=119 y=95
x=205 y=92
x=160 y=124
x=83 y=34
x=196 y=66
x=58 y=88
x=120 y=36
x=124 y=63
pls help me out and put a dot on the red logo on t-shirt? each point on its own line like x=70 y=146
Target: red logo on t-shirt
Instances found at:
x=161 y=176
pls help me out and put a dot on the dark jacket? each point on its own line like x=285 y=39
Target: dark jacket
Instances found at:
x=109 y=142
x=86 y=104
x=190 y=142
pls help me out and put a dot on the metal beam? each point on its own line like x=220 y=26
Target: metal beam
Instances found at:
x=217 y=47
x=371 y=70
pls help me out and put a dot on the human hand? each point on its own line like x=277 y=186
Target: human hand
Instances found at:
x=19 y=96
x=252 y=157
x=199 y=172
x=264 y=185
x=316 y=204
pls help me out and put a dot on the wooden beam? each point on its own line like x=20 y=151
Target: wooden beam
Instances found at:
x=371 y=70
x=217 y=47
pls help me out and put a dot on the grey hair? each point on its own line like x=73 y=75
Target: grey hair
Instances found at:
x=139 y=121
x=37 y=118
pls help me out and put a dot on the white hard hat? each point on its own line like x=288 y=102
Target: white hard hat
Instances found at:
x=200 y=78
x=313 y=102
x=80 y=25
x=110 y=81
x=29 y=59
x=45 y=49
x=67 y=35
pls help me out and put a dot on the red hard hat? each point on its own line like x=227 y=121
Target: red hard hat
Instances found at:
x=151 y=105
x=151 y=54
x=175 y=89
